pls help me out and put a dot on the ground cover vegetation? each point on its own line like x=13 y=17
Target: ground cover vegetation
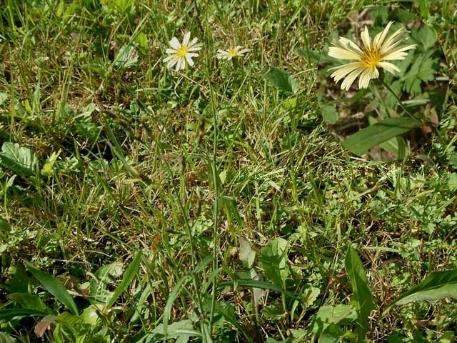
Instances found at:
x=228 y=171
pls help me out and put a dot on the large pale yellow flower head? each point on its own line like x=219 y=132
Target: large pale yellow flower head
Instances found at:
x=367 y=58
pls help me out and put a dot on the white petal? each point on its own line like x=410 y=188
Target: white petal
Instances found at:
x=398 y=54
x=389 y=67
x=366 y=38
x=185 y=41
x=349 y=80
x=346 y=44
x=171 y=51
x=393 y=40
x=379 y=38
x=174 y=43
x=342 y=71
x=366 y=76
x=342 y=54
x=189 y=60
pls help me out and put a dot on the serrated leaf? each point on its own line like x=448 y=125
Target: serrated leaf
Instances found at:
x=20 y=160
x=273 y=261
x=360 y=142
x=436 y=286
x=53 y=286
x=362 y=298
x=425 y=36
x=280 y=79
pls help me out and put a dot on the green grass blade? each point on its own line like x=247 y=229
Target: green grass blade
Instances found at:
x=129 y=274
x=436 y=286
x=362 y=298
x=54 y=287
x=360 y=142
x=171 y=299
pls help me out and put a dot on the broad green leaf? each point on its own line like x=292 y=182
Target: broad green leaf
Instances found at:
x=3 y=97
x=362 y=298
x=11 y=313
x=54 y=287
x=127 y=56
x=425 y=37
x=273 y=261
x=129 y=274
x=436 y=286
x=360 y=142
x=5 y=338
x=329 y=114
x=327 y=316
x=20 y=160
x=30 y=301
x=4 y=225
x=280 y=79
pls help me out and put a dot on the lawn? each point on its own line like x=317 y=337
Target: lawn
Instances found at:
x=196 y=171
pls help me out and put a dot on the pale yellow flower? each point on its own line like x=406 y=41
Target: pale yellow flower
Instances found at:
x=182 y=53
x=231 y=53
x=368 y=57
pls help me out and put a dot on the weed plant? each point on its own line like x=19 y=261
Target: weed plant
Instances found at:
x=217 y=203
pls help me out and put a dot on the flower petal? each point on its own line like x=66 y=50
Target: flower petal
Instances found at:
x=379 y=38
x=185 y=40
x=343 y=54
x=174 y=43
x=366 y=40
x=389 y=67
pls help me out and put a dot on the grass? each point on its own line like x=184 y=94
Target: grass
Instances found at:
x=209 y=205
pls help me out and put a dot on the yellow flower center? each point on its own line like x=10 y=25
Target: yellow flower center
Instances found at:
x=182 y=51
x=233 y=52
x=371 y=57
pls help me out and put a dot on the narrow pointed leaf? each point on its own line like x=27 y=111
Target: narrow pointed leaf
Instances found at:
x=360 y=142
x=129 y=274
x=54 y=287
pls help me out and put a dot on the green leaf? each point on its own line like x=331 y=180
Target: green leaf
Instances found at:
x=425 y=36
x=5 y=338
x=329 y=114
x=436 y=286
x=20 y=160
x=280 y=79
x=129 y=274
x=127 y=56
x=360 y=142
x=362 y=298
x=421 y=70
x=30 y=301
x=329 y=315
x=9 y=314
x=273 y=261
x=53 y=286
